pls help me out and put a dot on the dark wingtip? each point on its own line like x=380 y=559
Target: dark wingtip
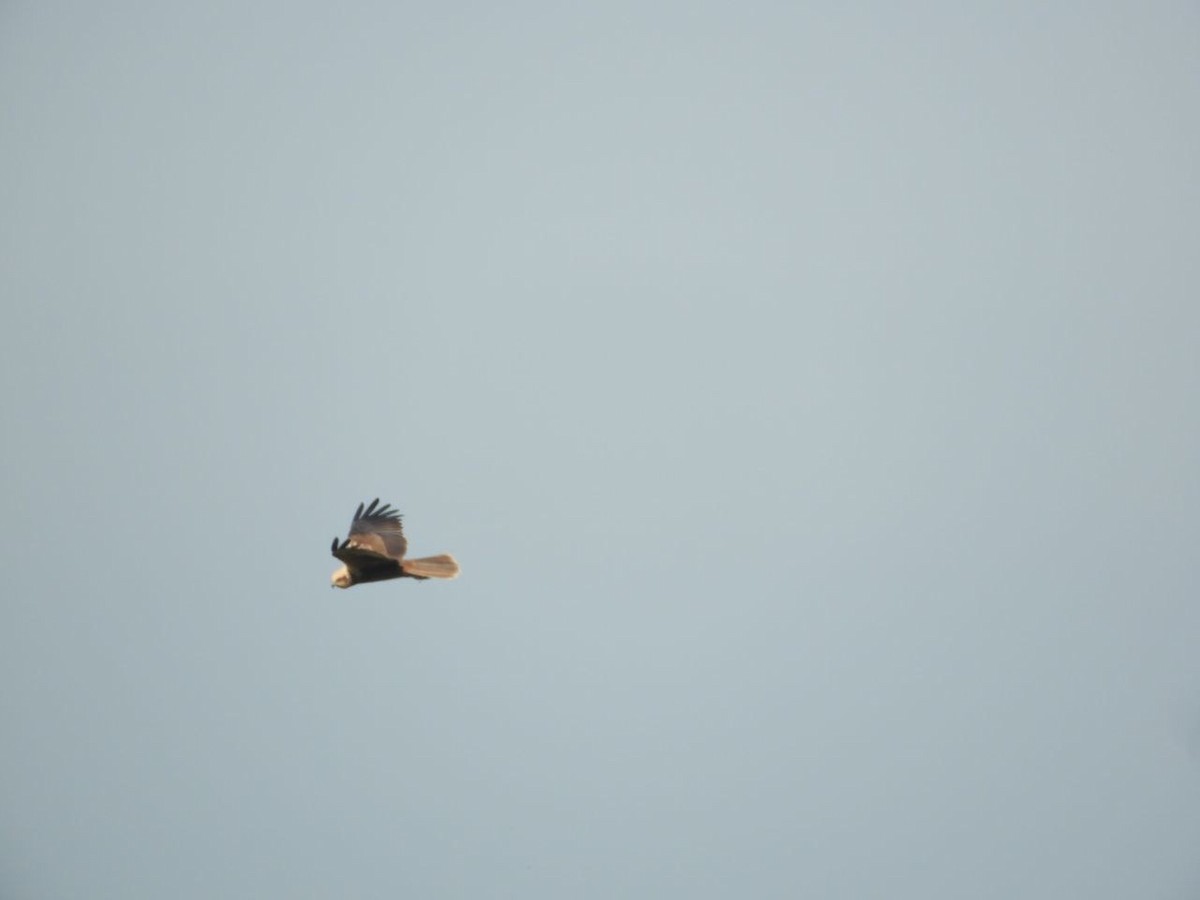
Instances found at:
x=375 y=511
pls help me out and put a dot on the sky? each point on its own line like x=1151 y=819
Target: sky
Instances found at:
x=808 y=392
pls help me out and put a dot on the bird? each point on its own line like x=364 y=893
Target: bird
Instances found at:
x=375 y=550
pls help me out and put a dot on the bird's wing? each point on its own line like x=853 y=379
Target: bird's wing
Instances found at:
x=377 y=530
x=361 y=560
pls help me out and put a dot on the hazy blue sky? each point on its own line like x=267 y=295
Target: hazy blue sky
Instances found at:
x=809 y=391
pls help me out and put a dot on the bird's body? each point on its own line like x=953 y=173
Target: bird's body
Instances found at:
x=375 y=550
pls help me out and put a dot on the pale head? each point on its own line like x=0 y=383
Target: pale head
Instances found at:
x=341 y=578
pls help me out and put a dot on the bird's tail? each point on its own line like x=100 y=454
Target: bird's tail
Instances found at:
x=441 y=566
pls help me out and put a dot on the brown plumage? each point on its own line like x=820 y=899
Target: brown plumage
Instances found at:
x=375 y=550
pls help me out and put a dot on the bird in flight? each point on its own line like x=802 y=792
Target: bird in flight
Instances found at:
x=375 y=550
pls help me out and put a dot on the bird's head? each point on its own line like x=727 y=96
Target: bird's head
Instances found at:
x=341 y=578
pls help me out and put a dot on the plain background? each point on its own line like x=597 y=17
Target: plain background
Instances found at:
x=809 y=392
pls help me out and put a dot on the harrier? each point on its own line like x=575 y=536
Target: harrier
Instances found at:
x=375 y=549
